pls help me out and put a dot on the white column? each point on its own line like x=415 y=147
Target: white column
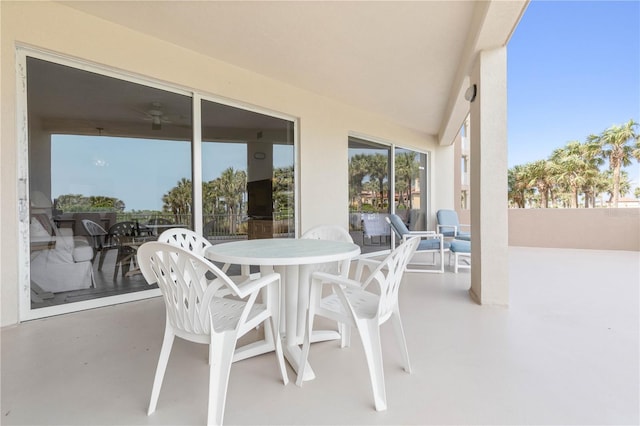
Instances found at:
x=488 y=172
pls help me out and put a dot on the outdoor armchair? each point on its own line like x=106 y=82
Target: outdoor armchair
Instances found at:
x=99 y=241
x=197 y=310
x=430 y=242
x=333 y=233
x=365 y=303
x=450 y=226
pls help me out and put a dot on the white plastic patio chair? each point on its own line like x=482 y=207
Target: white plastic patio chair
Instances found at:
x=430 y=242
x=449 y=225
x=352 y=303
x=193 y=290
x=332 y=233
x=98 y=240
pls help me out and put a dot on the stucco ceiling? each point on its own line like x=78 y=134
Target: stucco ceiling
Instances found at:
x=406 y=61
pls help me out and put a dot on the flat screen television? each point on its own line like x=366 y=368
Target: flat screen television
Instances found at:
x=260 y=199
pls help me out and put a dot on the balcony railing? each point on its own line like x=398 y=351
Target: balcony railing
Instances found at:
x=215 y=226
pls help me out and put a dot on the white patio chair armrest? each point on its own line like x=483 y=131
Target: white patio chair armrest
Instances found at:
x=455 y=228
x=362 y=262
x=421 y=234
x=250 y=286
x=326 y=278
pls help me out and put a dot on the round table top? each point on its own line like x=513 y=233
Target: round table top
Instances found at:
x=281 y=251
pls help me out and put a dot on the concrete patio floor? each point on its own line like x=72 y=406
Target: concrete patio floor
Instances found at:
x=566 y=351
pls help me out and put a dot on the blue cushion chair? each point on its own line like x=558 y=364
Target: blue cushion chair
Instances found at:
x=431 y=242
x=449 y=225
x=461 y=250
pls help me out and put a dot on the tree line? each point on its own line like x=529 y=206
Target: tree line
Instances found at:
x=572 y=175
x=369 y=173
x=225 y=195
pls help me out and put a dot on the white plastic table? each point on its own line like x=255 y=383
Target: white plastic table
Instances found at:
x=288 y=257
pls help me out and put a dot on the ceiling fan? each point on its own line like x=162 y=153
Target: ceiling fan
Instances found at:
x=156 y=115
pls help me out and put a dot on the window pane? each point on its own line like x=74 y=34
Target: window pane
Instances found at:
x=369 y=194
x=109 y=168
x=247 y=174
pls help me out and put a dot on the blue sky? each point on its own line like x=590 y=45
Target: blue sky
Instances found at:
x=573 y=70
x=139 y=171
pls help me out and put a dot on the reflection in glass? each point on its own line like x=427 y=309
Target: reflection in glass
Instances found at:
x=103 y=152
x=110 y=167
x=369 y=194
x=410 y=188
x=247 y=174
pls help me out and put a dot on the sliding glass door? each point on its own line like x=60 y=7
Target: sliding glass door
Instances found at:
x=111 y=164
x=372 y=198
x=369 y=194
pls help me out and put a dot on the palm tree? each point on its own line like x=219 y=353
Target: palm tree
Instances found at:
x=283 y=191
x=371 y=187
x=232 y=185
x=569 y=166
x=541 y=176
x=407 y=169
x=378 y=171
x=601 y=183
x=591 y=153
x=179 y=201
x=636 y=150
x=358 y=169
x=615 y=147
x=518 y=185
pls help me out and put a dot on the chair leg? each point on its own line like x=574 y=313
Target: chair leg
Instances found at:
x=277 y=342
x=103 y=254
x=402 y=342
x=165 y=351
x=370 y=335
x=345 y=335
x=221 y=352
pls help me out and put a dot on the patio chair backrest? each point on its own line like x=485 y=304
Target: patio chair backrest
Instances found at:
x=188 y=283
x=185 y=238
x=122 y=231
x=328 y=232
x=398 y=225
x=388 y=275
x=448 y=218
x=97 y=233
x=332 y=233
